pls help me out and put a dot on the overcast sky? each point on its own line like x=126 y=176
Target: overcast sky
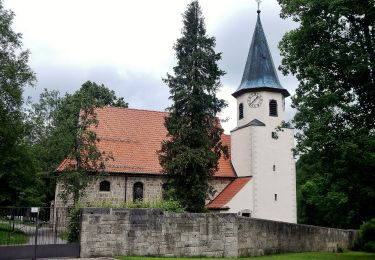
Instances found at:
x=127 y=44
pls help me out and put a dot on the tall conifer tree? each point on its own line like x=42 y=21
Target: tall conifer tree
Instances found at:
x=190 y=155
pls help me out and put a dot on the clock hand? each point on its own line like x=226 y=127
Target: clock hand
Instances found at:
x=254 y=100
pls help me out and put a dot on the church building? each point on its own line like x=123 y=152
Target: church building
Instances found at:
x=257 y=180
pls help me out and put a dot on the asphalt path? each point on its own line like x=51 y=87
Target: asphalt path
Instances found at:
x=46 y=235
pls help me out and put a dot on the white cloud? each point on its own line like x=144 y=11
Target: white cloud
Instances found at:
x=127 y=44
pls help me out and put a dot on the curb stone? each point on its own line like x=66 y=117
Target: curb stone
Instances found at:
x=97 y=258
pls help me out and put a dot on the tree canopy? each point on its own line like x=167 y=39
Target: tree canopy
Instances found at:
x=190 y=156
x=35 y=139
x=60 y=128
x=16 y=160
x=332 y=54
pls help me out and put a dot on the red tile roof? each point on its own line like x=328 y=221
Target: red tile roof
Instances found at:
x=228 y=193
x=134 y=136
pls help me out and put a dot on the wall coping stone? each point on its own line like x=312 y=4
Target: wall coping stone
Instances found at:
x=159 y=211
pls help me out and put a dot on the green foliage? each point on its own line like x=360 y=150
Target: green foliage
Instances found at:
x=190 y=155
x=61 y=127
x=369 y=246
x=332 y=55
x=367 y=231
x=367 y=235
x=17 y=162
x=74 y=225
x=54 y=120
x=64 y=236
x=170 y=205
x=34 y=142
x=11 y=236
x=85 y=158
x=81 y=146
x=98 y=95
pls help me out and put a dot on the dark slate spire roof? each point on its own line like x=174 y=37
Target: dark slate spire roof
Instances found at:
x=260 y=72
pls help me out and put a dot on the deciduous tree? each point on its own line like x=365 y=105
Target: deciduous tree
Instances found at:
x=63 y=127
x=16 y=160
x=332 y=54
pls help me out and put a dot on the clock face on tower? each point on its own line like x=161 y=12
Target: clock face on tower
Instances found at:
x=255 y=100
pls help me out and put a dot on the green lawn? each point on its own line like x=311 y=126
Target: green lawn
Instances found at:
x=11 y=237
x=64 y=236
x=298 y=256
x=23 y=222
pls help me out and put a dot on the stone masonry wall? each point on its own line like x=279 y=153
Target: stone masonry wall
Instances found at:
x=146 y=232
x=262 y=237
x=122 y=187
x=152 y=190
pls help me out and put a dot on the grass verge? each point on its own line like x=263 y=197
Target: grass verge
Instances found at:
x=294 y=256
x=8 y=236
x=64 y=236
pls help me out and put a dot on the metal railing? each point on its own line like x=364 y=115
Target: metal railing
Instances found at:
x=33 y=226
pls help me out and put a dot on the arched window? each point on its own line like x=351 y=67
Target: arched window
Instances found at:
x=138 y=191
x=240 y=111
x=273 y=107
x=105 y=186
x=164 y=191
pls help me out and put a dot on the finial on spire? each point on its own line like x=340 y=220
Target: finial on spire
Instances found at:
x=258 y=1
x=259 y=73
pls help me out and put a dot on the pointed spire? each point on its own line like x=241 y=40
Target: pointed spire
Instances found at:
x=260 y=72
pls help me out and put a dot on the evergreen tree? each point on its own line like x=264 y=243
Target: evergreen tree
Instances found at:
x=191 y=153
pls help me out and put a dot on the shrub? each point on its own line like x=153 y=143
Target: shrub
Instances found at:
x=170 y=206
x=367 y=235
x=74 y=224
x=369 y=246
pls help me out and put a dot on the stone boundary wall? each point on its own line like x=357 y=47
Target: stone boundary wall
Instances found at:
x=153 y=232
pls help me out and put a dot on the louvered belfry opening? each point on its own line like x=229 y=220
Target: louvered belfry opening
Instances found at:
x=273 y=107
x=240 y=111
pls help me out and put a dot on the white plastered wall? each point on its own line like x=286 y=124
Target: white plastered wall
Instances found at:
x=243 y=200
x=262 y=113
x=267 y=182
x=241 y=152
x=254 y=152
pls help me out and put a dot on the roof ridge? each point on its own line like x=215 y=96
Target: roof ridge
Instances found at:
x=133 y=137
x=137 y=109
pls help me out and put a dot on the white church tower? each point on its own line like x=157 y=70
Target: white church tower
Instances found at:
x=257 y=149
